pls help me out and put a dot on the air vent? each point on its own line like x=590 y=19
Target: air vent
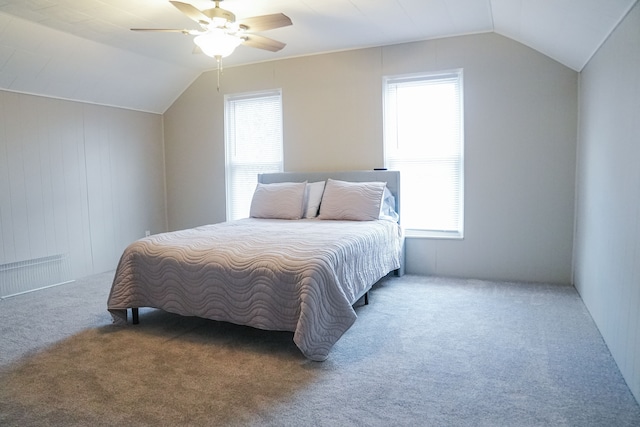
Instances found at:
x=33 y=274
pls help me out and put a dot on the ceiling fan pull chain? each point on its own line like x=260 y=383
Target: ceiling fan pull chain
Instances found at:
x=219 y=60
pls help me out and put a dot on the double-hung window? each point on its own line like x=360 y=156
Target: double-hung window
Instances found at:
x=253 y=145
x=423 y=139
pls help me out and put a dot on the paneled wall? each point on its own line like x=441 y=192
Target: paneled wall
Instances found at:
x=520 y=141
x=77 y=179
x=607 y=247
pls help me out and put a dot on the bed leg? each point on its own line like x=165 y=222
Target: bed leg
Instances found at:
x=366 y=298
x=134 y=315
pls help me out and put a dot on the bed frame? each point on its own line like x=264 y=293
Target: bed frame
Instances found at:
x=392 y=178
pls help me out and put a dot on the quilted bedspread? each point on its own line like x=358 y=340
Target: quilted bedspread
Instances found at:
x=301 y=276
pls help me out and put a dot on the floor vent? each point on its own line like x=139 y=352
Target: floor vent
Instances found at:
x=33 y=274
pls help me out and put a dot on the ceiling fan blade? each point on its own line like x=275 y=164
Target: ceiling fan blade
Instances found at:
x=192 y=12
x=163 y=30
x=265 y=22
x=261 y=42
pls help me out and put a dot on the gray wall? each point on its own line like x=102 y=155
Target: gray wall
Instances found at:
x=607 y=245
x=520 y=137
x=77 y=179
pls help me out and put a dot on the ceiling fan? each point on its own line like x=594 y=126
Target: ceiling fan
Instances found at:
x=220 y=33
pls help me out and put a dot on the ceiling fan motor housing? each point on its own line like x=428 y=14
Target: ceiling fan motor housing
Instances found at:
x=219 y=13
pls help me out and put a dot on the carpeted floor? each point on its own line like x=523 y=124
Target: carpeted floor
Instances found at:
x=425 y=351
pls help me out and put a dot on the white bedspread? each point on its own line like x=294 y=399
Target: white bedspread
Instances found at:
x=301 y=276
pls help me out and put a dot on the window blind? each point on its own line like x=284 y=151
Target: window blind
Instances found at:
x=423 y=120
x=253 y=145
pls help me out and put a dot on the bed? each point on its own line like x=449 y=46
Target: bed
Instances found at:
x=295 y=265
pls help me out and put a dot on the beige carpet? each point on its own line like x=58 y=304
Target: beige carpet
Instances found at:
x=426 y=351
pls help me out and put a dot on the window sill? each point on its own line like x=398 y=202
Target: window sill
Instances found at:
x=430 y=234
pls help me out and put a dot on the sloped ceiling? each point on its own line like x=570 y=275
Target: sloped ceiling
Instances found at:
x=84 y=50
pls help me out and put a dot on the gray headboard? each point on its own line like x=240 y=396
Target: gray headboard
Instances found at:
x=392 y=178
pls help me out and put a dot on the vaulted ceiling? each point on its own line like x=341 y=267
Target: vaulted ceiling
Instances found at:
x=84 y=50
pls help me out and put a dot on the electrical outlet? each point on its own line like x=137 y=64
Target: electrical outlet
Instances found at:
x=147 y=233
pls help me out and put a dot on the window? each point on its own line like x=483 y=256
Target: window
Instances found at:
x=253 y=145
x=423 y=139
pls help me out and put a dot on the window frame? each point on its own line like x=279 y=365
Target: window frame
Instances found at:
x=453 y=74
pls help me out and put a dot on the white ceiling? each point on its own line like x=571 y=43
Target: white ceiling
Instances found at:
x=84 y=49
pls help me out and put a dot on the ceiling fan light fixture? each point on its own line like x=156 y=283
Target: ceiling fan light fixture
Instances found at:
x=217 y=43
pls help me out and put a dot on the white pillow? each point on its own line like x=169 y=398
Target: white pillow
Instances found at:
x=356 y=201
x=281 y=200
x=388 y=208
x=313 y=196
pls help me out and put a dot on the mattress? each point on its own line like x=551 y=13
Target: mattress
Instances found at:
x=301 y=276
